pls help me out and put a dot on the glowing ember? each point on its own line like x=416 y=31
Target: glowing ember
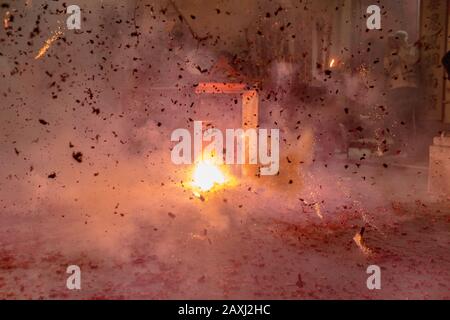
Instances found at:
x=7 y=20
x=207 y=175
x=332 y=63
x=359 y=240
x=198 y=195
x=48 y=43
x=318 y=210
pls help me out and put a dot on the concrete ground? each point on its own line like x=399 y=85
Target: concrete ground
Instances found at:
x=245 y=242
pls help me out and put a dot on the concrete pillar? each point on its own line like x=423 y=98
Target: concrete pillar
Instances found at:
x=439 y=172
x=250 y=116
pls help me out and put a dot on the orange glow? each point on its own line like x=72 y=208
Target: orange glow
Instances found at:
x=207 y=175
x=6 y=20
x=332 y=63
x=48 y=43
x=359 y=240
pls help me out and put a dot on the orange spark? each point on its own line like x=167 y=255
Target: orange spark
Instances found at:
x=48 y=43
x=7 y=20
x=318 y=210
x=359 y=240
x=332 y=63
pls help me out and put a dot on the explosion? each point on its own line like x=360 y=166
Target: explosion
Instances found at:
x=207 y=175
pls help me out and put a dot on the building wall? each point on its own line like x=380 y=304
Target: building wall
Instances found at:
x=447 y=93
x=433 y=31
